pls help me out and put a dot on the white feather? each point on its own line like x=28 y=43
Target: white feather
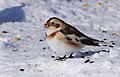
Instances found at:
x=60 y=48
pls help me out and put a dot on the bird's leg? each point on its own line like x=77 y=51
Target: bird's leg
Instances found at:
x=64 y=58
x=71 y=56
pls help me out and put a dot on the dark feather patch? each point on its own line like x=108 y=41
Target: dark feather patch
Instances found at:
x=68 y=38
x=77 y=40
x=63 y=31
x=56 y=25
x=89 y=42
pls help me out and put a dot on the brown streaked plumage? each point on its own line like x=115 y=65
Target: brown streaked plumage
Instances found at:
x=70 y=43
x=49 y=37
x=64 y=38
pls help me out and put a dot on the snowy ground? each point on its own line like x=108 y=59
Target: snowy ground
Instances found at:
x=25 y=53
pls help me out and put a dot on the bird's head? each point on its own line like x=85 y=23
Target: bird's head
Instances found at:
x=54 y=24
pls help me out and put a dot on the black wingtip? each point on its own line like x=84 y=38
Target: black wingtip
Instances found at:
x=96 y=44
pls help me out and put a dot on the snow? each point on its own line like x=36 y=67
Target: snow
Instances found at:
x=25 y=53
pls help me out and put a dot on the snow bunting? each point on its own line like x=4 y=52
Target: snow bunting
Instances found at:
x=65 y=39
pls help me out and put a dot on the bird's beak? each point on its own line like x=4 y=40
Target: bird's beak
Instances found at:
x=45 y=25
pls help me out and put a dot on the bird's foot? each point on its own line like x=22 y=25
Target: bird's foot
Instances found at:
x=64 y=58
x=71 y=56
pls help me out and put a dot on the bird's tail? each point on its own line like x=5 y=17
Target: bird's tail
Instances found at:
x=105 y=43
x=97 y=42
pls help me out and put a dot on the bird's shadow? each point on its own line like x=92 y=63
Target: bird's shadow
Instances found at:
x=12 y=14
x=87 y=53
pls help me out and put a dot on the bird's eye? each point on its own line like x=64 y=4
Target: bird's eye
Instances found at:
x=52 y=23
x=57 y=25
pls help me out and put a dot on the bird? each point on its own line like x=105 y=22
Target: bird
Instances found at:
x=64 y=39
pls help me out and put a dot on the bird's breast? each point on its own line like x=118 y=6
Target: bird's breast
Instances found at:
x=58 y=38
x=50 y=36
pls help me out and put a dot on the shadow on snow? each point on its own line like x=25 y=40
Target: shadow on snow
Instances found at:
x=87 y=53
x=13 y=14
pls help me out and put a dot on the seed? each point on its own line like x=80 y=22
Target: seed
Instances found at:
x=91 y=61
x=104 y=39
x=4 y=31
x=88 y=60
x=104 y=31
x=111 y=46
x=40 y=40
x=105 y=45
x=113 y=43
x=22 y=69
x=44 y=48
x=53 y=56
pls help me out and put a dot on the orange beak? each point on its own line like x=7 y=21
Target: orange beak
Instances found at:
x=45 y=25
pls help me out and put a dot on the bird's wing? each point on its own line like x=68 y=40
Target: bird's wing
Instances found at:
x=79 y=36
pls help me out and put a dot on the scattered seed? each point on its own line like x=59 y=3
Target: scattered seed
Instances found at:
x=88 y=60
x=104 y=39
x=53 y=56
x=40 y=40
x=105 y=45
x=44 y=47
x=104 y=31
x=113 y=43
x=91 y=61
x=22 y=69
x=4 y=31
x=111 y=46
